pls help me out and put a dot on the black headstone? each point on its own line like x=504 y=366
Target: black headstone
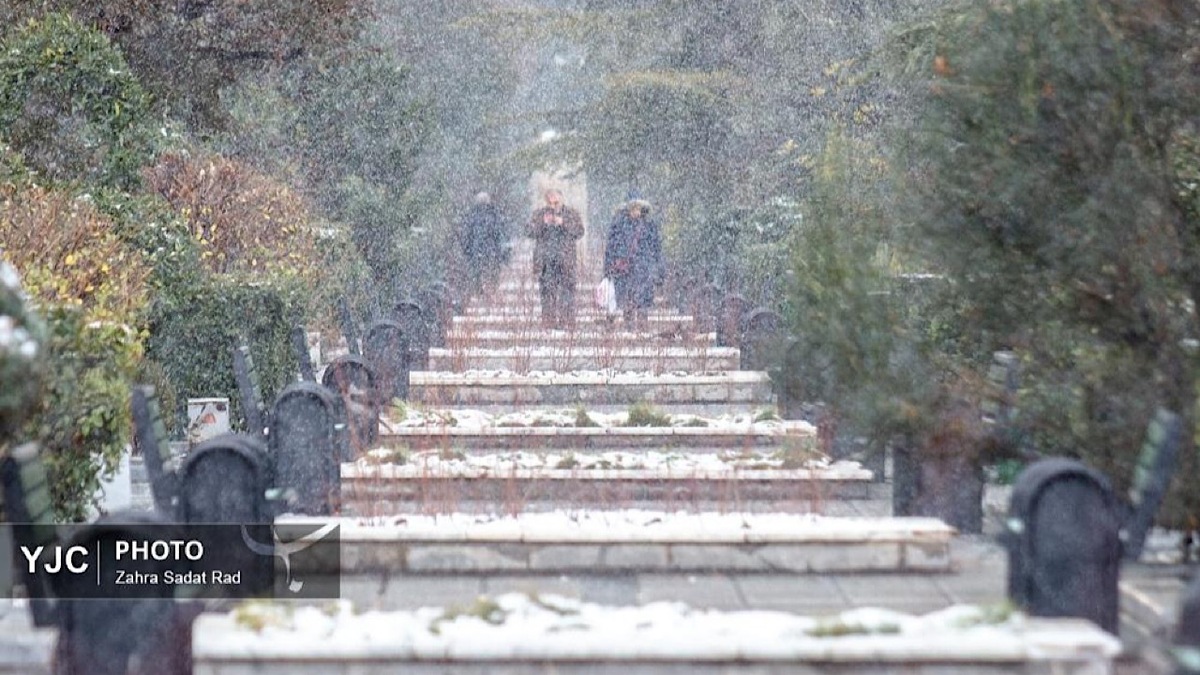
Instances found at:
x=386 y=349
x=707 y=303
x=729 y=319
x=1186 y=640
x=253 y=408
x=349 y=325
x=1063 y=539
x=308 y=440
x=303 y=358
x=224 y=480
x=1155 y=467
x=355 y=381
x=439 y=309
x=155 y=448
x=28 y=507
x=763 y=338
x=103 y=637
x=414 y=324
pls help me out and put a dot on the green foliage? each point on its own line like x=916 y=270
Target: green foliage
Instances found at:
x=192 y=336
x=22 y=362
x=1052 y=170
x=84 y=421
x=349 y=131
x=642 y=414
x=70 y=105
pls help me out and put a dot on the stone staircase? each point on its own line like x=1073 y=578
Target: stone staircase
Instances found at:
x=515 y=416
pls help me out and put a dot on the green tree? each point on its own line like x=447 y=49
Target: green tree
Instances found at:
x=186 y=52
x=70 y=105
x=1048 y=168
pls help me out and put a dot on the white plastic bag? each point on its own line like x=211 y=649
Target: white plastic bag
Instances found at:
x=606 y=296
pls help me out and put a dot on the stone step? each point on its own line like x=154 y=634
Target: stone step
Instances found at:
x=659 y=359
x=461 y=337
x=547 y=438
x=526 y=633
x=370 y=490
x=621 y=542
x=586 y=320
x=582 y=309
x=748 y=389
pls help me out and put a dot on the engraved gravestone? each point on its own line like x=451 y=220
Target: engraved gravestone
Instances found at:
x=151 y=435
x=763 y=339
x=28 y=507
x=307 y=443
x=299 y=338
x=355 y=382
x=253 y=408
x=386 y=349
x=105 y=636
x=414 y=325
x=1063 y=541
x=730 y=314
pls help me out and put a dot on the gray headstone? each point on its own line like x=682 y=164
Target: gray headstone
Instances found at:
x=249 y=390
x=1155 y=467
x=386 y=349
x=729 y=319
x=414 y=324
x=103 y=637
x=355 y=382
x=764 y=333
x=28 y=507
x=1063 y=536
x=307 y=442
x=156 y=448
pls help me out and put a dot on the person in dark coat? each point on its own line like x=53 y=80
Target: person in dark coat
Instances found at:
x=482 y=238
x=556 y=228
x=633 y=259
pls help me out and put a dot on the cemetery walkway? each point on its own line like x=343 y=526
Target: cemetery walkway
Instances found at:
x=510 y=417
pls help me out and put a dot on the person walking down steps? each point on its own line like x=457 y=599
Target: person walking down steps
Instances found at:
x=633 y=259
x=555 y=229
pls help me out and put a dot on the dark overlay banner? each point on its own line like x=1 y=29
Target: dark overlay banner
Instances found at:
x=180 y=561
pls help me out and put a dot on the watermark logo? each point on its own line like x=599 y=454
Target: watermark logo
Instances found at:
x=284 y=550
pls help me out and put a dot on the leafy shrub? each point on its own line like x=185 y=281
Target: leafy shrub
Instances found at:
x=642 y=414
x=70 y=105
x=90 y=287
x=22 y=335
x=242 y=221
x=192 y=335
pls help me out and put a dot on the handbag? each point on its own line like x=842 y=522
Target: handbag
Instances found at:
x=605 y=295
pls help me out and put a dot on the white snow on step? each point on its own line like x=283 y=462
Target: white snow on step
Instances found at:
x=610 y=377
x=564 y=419
x=519 y=627
x=615 y=465
x=637 y=526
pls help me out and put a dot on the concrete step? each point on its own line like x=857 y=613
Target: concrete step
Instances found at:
x=658 y=359
x=426 y=484
x=659 y=323
x=462 y=337
x=526 y=633
x=500 y=439
x=748 y=389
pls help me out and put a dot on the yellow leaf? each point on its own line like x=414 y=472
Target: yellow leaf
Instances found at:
x=70 y=259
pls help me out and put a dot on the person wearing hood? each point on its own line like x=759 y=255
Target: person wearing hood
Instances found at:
x=633 y=259
x=482 y=237
x=555 y=229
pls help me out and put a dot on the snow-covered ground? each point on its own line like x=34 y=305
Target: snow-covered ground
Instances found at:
x=636 y=525
x=764 y=420
x=387 y=463
x=522 y=626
